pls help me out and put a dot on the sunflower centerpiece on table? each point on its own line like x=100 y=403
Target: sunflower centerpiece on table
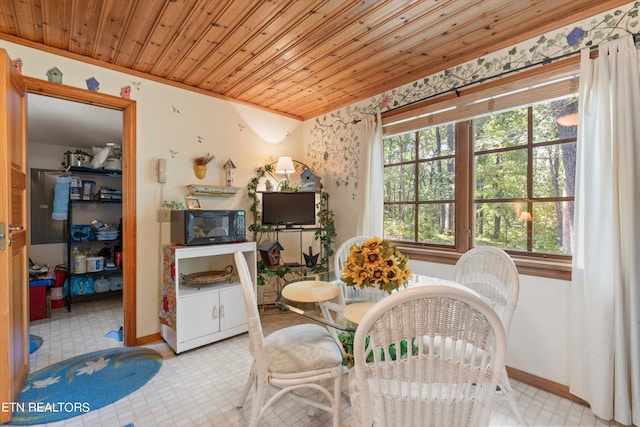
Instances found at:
x=376 y=264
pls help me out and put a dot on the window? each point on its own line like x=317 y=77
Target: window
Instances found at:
x=419 y=182
x=495 y=166
x=524 y=178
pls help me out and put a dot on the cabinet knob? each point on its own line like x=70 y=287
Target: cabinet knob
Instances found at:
x=221 y=310
x=214 y=313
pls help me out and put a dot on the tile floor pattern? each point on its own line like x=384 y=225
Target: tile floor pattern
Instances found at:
x=200 y=387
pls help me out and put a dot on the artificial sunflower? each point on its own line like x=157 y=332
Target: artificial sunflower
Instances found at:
x=376 y=263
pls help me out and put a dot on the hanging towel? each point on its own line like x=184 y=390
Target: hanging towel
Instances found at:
x=61 y=198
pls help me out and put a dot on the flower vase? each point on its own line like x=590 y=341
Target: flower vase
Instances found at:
x=200 y=170
x=374 y=293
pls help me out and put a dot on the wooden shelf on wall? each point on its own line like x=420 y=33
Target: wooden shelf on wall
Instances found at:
x=211 y=190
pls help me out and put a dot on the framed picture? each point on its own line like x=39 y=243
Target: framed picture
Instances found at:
x=192 y=202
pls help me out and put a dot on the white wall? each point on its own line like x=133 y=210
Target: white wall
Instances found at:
x=226 y=130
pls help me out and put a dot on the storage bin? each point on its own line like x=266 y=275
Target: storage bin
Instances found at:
x=95 y=263
x=38 y=298
x=81 y=285
x=101 y=285
x=115 y=283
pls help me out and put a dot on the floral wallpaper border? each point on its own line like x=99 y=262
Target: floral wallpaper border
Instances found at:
x=334 y=148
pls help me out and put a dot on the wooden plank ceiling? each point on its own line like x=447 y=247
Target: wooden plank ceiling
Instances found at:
x=302 y=58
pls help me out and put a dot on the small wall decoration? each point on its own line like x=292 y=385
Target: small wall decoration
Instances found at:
x=200 y=165
x=54 y=75
x=574 y=37
x=18 y=64
x=228 y=167
x=93 y=84
x=310 y=181
x=125 y=92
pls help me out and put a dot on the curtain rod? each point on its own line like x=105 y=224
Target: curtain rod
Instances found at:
x=456 y=90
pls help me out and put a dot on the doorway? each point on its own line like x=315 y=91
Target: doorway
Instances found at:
x=128 y=110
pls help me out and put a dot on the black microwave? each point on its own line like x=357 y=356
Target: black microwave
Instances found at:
x=206 y=227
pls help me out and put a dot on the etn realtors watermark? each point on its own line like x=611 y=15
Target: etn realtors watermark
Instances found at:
x=40 y=407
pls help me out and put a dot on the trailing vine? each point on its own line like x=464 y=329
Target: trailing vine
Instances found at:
x=325 y=217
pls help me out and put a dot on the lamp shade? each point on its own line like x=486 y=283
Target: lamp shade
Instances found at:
x=285 y=165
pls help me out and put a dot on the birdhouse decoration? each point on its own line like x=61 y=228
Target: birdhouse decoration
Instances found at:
x=93 y=84
x=54 y=75
x=270 y=252
x=309 y=181
x=125 y=92
x=228 y=168
x=18 y=64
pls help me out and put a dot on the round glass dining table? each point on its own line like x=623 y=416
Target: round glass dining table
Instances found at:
x=355 y=311
x=311 y=296
x=306 y=291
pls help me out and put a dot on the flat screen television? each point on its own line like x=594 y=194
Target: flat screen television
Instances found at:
x=289 y=209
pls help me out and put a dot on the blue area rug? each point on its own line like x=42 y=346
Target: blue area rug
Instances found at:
x=34 y=343
x=84 y=383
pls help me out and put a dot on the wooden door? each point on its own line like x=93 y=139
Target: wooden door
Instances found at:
x=14 y=300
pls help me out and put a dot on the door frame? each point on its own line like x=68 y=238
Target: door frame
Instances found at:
x=129 y=245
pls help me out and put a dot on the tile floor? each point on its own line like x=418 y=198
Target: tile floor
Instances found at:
x=201 y=386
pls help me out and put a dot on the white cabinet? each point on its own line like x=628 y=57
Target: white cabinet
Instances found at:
x=207 y=313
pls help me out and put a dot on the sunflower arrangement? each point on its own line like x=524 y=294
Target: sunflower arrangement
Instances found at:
x=376 y=263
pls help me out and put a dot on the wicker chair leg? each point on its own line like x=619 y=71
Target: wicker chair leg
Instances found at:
x=250 y=381
x=256 y=406
x=505 y=386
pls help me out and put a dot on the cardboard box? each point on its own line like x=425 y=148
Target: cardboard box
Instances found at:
x=88 y=188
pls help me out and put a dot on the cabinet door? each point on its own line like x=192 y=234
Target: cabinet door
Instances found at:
x=232 y=310
x=197 y=315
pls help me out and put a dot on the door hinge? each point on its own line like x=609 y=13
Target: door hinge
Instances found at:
x=2 y=235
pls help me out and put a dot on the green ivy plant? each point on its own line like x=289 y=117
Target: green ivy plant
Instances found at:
x=265 y=273
x=346 y=339
x=326 y=221
x=173 y=205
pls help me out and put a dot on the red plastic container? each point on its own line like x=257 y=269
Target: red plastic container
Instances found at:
x=38 y=298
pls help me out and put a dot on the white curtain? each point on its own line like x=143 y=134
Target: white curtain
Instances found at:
x=605 y=340
x=371 y=179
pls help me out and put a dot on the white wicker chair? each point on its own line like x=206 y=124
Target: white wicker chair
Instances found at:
x=292 y=358
x=332 y=310
x=492 y=273
x=452 y=385
x=348 y=294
